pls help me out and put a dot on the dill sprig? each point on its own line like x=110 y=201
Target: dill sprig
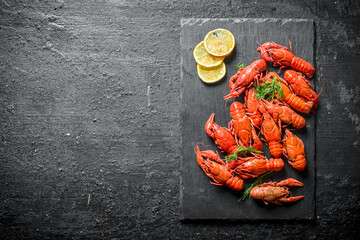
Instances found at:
x=239 y=65
x=268 y=90
x=258 y=181
x=243 y=151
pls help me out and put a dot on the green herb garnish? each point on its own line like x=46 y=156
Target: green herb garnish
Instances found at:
x=243 y=151
x=268 y=90
x=258 y=181
x=239 y=65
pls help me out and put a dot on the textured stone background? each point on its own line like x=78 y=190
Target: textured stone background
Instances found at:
x=89 y=94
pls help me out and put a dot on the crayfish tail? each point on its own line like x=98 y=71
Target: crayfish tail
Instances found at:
x=235 y=183
x=302 y=66
x=275 y=164
x=299 y=163
x=276 y=149
x=297 y=121
x=298 y=103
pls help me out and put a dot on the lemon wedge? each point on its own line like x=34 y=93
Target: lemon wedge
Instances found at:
x=203 y=58
x=211 y=75
x=219 y=42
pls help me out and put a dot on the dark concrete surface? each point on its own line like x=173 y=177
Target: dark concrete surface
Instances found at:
x=89 y=94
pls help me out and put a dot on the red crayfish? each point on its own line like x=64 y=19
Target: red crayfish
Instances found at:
x=252 y=167
x=294 y=151
x=281 y=56
x=245 y=77
x=272 y=133
x=290 y=98
x=301 y=86
x=217 y=170
x=277 y=193
x=221 y=135
x=242 y=128
x=282 y=111
x=252 y=107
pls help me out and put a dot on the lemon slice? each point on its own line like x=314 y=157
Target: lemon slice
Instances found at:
x=219 y=42
x=203 y=58
x=211 y=75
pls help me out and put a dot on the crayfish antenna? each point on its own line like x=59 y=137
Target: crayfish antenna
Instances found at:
x=290 y=46
x=201 y=143
x=258 y=49
x=226 y=102
x=322 y=88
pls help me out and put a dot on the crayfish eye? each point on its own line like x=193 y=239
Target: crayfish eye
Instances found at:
x=234 y=81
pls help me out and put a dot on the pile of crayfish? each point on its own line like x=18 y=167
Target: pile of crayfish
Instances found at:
x=272 y=106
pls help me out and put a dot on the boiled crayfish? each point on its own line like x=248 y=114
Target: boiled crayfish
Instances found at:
x=242 y=128
x=281 y=56
x=272 y=133
x=277 y=193
x=289 y=97
x=245 y=77
x=221 y=135
x=217 y=170
x=301 y=86
x=252 y=107
x=294 y=151
x=240 y=124
x=282 y=111
x=251 y=167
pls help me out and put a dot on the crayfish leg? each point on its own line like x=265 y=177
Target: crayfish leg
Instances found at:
x=235 y=93
x=281 y=68
x=215 y=183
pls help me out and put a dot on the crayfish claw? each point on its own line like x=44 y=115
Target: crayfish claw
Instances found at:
x=291 y=199
x=290 y=182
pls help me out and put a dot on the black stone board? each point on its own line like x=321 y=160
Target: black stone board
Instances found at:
x=198 y=198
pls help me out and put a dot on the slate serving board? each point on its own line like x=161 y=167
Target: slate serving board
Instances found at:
x=198 y=198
